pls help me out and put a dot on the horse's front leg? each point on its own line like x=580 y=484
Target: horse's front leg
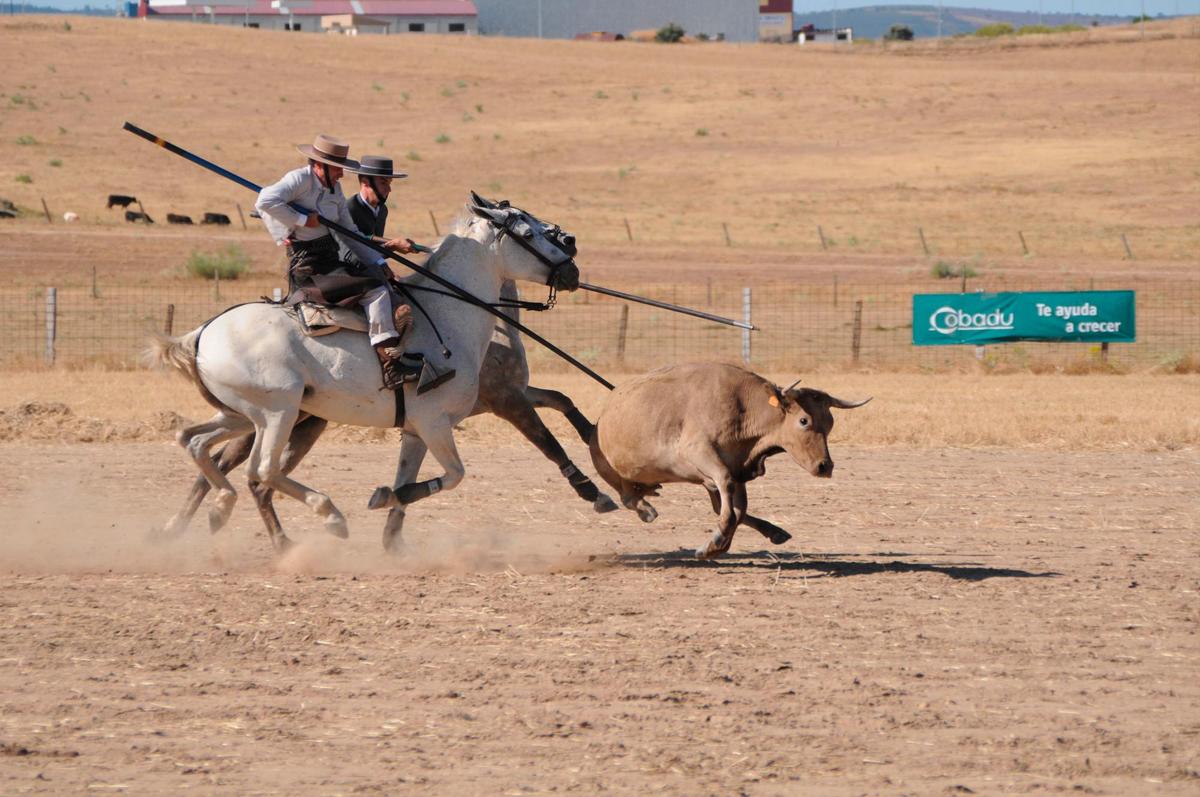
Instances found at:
x=440 y=443
x=412 y=454
x=517 y=409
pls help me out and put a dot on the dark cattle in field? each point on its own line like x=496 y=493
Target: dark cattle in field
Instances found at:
x=120 y=200
x=175 y=218
x=133 y=215
x=709 y=424
x=215 y=218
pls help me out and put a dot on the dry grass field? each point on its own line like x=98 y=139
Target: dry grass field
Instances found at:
x=995 y=594
x=1072 y=140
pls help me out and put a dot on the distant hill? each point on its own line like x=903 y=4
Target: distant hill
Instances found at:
x=87 y=11
x=871 y=22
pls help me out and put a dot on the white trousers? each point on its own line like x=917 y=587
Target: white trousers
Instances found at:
x=381 y=323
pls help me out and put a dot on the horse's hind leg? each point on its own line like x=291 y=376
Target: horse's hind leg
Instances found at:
x=272 y=431
x=233 y=454
x=301 y=441
x=517 y=410
x=198 y=442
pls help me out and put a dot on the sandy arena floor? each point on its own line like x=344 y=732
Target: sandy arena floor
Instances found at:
x=945 y=622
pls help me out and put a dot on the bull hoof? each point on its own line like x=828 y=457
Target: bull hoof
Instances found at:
x=716 y=546
x=336 y=525
x=282 y=543
x=646 y=513
x=382 y=498
x=603 y=504
x=779 y=537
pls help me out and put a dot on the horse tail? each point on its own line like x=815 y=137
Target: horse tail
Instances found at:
x=165 y=351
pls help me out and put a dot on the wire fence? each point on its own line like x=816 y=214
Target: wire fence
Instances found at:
x=801 y=326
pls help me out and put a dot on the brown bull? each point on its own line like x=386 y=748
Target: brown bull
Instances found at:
x=710 y=424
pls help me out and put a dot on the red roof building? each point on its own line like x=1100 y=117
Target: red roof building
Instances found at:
x=377 y=16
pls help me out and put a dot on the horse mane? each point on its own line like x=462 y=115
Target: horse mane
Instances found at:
x=466 y=226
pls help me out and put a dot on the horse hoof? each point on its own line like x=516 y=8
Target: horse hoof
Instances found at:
x=647 y=513
x=217 y=518
x=603 y=504
x=382 y=497
x=336 y=525
x=394 y=546
x=283 y=544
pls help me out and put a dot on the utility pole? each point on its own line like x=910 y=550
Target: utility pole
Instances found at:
x=539 y=19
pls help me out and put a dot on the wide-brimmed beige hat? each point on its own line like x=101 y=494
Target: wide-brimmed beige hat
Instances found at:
x=330 y=150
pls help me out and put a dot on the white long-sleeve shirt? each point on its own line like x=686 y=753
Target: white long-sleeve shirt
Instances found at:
x=301 y=186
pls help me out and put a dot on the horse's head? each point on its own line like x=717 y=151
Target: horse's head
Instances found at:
x=535 y=251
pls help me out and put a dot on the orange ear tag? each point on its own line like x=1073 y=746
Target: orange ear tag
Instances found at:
x=774 y=402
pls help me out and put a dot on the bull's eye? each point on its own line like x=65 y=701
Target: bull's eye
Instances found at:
x=804 y=422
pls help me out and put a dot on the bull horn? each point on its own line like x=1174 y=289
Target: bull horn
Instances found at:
x=792 y=385
x=841 y=404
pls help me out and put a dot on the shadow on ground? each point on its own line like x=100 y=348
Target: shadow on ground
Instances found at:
x=831 y=564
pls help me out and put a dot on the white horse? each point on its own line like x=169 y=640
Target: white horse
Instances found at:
x=255 y=365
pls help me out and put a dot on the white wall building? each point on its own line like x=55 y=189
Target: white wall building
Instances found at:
x=335 y=16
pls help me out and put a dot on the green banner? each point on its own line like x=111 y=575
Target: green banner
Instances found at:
x=941 y=319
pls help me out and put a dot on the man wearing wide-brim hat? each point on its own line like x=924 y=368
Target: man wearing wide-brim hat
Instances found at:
x=369 y=207
x=314 y=266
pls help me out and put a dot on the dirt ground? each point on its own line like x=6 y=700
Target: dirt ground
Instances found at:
x=946 y=621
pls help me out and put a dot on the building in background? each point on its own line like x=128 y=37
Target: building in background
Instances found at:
x=733 y=20
x=333 y=16
x=775 y=21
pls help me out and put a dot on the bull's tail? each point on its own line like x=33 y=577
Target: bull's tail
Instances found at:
x=165 y=351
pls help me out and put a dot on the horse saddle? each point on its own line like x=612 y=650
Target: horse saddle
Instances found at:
x=318 y=319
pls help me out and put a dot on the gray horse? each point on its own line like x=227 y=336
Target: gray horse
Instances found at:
x=504 y=391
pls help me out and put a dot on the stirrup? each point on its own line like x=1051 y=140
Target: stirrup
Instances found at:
x=432 y=376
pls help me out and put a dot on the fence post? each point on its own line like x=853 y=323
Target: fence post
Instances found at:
x=169 y=327
x=436 y=231
x=51 y=323
x=47 y=211
x=622 y=327
x=1125 y=241
x=95 y=286
x=924 y=245
x=746 y=315
x=1024 y=245
x=1104 y=351
x=628 y=230
x=216 y=285
x=856 y=338
x=728 y=241
x=821 y=233
x=241 y=215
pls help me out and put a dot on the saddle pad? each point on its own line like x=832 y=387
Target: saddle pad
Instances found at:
x=318 y=320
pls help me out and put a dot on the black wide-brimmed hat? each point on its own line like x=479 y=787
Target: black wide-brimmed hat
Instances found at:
x=330 y=150
x=377 y=166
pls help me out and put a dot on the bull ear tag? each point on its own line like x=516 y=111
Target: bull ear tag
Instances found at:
x=774 y=402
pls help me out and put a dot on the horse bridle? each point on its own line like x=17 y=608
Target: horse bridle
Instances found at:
x=555 y=237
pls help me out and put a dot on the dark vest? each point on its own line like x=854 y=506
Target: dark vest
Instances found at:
x=367 y=222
